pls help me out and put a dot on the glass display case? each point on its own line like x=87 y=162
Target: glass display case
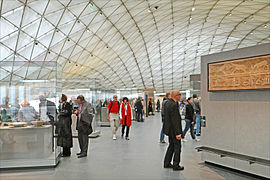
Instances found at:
x=29 y=94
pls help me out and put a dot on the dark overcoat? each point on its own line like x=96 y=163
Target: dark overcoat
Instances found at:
x=63 y=126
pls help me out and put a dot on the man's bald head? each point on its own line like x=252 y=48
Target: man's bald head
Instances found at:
x=42 y=97
x=175 y=94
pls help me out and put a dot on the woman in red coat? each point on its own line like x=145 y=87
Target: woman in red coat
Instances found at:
x=125 y=116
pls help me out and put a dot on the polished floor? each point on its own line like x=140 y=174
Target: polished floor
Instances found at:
x=140 y=158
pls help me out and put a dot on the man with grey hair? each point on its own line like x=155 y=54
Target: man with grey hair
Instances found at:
x=113 y=115
x=47 y=110
x=84 y=124
x=173 y=129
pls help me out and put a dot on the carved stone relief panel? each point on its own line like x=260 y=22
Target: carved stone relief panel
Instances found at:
x=240 y=74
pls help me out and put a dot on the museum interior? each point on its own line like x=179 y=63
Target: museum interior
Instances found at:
x=107 y=66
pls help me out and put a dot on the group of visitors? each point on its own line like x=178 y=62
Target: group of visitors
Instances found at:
x=84 y=113
x=139 y=110
x=172 y=125
x=120 y=113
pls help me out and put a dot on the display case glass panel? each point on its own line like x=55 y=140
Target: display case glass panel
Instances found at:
x=29 y=94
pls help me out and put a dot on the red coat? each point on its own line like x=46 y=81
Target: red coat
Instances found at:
x=128 y=115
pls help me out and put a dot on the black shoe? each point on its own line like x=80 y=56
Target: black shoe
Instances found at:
x=198 y=134
x=178 y=168
x=168 y=166
x=79 y=153
x=82 y=155
x=127 y=138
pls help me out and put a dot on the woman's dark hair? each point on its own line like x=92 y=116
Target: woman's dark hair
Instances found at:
x=125 y=98
x=189 y=98
x=80 y=97
x=195 y=96
x=64 y=98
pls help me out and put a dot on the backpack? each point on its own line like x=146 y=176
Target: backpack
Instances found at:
x=112 y=106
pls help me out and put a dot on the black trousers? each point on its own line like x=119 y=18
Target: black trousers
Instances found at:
x=66 y=151
x=174 y=150
x=83 y=142
x=123 y=128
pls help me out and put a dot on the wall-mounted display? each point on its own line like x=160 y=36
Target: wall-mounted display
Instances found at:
x=240 y=74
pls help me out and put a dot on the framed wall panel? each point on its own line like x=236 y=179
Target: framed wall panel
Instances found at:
x=240 y=74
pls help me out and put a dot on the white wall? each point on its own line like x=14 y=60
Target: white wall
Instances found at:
x=236 y=121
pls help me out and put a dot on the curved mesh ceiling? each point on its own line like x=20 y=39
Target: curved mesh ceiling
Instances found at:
x=130 y=43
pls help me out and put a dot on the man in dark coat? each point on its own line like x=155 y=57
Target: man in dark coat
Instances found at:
x=165 y=100
x=158 y=105
x=139 y=110
x=47 y=110
x=173 y=129
x=84 y=124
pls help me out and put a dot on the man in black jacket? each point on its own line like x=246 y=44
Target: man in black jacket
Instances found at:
x=84 y=124
x=47 y=110
x=173 y=129
x=165 y=100
x=189 y=119
x=139 y=108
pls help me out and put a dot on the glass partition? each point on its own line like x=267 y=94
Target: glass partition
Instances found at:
x=29 y=94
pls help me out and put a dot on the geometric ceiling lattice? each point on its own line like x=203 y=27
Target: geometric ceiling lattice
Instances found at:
x=129 y=43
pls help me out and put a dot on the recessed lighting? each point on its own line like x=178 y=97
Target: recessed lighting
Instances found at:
x=193 y=9
x=190 y=18
x=229 y=14
x=265 y=26
x=251 y=33
x=91 y=4
x=245 y=22
x=88 y=30
x=78 y=22
x=100 y=13
x=149 y=10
